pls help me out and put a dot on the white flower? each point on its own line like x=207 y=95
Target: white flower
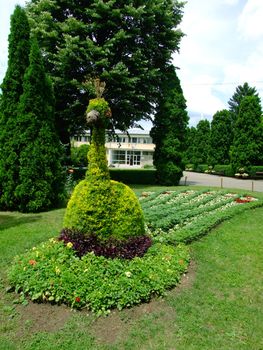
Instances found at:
x=128 y=274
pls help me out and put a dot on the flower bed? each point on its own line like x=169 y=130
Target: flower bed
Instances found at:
x=185 y=216
x=53 y=273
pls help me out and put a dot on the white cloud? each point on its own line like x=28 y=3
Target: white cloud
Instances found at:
x=250 y=20
x=231 y=2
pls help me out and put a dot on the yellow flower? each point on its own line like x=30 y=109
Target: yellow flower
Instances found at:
x=57 y=270
x=69 y=245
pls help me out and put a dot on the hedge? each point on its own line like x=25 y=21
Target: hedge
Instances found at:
x=127 y=176
x=225 y=170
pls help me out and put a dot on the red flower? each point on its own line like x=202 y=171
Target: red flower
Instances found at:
x=77 y=299
x=32 y=262
x=242 y=200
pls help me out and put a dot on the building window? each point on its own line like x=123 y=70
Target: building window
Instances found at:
x=118 y=157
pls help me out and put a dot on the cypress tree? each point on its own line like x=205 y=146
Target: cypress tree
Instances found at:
x=247 y=148
x=220 y=138
x=12 y=88
x=235 y=101
x=40 y=181
x=201 y=148
x=169 y=130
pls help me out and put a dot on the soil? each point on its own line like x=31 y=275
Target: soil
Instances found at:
x=42 y=317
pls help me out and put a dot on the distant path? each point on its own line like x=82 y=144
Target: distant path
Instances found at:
x=195 y=179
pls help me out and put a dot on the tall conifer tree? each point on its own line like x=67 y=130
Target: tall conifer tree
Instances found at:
x=40 y=181
x=12 y=88
x=201 y=148
x=169 y=130
x=247 y=148
x=235 y=101
x=220 y=138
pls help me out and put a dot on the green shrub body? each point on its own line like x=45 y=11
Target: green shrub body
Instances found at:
x=107 y=208
x=99 y=206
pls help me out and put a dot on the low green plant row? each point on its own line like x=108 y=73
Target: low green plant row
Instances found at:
x=51 y=272
x=180 y=216
x=187 y=225
x=182 y=208
x=166 y=198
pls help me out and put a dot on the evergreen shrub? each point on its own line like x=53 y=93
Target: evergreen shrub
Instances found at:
x=255 y=169
x=170 y=174
x=201 y=168
x=108 y=208
x=225 y=170
x=134 y=176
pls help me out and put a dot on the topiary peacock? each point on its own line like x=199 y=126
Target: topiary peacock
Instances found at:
x=100 y=206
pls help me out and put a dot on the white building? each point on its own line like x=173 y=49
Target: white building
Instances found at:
x=133 y=149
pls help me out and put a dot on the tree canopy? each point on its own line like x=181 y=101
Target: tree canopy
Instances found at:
x=128 y=44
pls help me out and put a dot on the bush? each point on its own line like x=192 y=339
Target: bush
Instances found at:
x=107 y=208
x=190 y=167
x=134 y=176
x=254 y=169
x=201 y=168
x=169 y=174
x=225 y=170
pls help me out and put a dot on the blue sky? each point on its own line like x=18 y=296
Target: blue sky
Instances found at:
x=222 y=48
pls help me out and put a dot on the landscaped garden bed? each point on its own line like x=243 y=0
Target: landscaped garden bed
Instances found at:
x=53 y=272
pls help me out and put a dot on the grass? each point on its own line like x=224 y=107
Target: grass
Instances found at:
x=218 y=306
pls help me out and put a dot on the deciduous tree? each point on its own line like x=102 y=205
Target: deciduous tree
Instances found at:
x=128 y=44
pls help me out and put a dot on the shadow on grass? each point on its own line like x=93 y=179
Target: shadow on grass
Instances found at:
x=8 y=220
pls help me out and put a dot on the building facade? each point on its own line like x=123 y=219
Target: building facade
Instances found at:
x=132 y=149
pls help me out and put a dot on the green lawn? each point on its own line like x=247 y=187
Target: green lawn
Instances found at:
x=218 y=306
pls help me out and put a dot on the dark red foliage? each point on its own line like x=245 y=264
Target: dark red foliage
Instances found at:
x=112 y=248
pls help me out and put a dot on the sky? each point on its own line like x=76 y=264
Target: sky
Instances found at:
x=222 y=48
